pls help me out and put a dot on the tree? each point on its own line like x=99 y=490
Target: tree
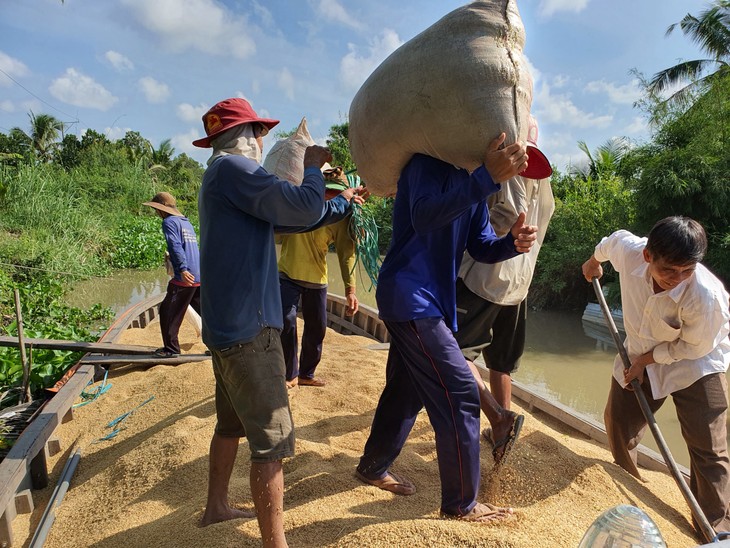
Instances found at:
x=44 y=132
x=136 y=146
x=711 y=31
x=162 y=155
x=605 y=161
x=683 y=171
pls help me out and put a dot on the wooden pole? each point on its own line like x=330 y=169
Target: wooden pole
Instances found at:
x=25 y=394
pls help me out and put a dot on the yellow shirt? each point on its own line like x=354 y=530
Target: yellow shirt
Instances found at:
x=304 y=256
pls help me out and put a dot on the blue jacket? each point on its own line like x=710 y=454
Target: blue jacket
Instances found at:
x=439 y=212
x=240 y=204
x=182 y=245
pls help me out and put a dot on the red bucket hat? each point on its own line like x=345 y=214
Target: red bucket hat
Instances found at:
x=227 y=114
x=538 y=166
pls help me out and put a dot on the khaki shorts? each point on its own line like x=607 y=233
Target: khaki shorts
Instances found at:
x=251 y=398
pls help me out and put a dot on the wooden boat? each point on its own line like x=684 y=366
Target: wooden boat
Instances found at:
x=25 y=466
x=28 y=458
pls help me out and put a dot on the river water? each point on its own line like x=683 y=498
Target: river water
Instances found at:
x=560 y=361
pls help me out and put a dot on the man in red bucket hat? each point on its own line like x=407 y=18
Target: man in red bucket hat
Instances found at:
x=240 y=206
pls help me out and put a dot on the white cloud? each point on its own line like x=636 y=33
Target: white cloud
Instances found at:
x=118 y=61
x=13 y=67
x=560 y=109
x=286 y=83
x=355 y=68
x=190 y=113
x=183 y=142
x=626 y=94
x=154 y=91
x=332 y=10
x=7 y=106
x=637 y=125
x=550 y=7
x=264 y=14
x=75 y=88
x=205 y=25
x=115 y=133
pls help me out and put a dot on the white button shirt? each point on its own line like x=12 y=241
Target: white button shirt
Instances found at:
x=687 y=326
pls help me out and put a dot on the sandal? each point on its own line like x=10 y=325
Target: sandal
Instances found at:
x=482 y=513
x=303 y=381
x=391 y=482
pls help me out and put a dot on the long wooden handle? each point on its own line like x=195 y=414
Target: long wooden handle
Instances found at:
x=707 y=531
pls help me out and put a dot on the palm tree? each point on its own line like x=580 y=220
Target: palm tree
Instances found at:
x=711 y=31
x=604 y=162
x=162 y=155
x=44 y=133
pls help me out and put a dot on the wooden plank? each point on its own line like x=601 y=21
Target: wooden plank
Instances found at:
x=78 y=346
x=144 y=360
x=15 y=466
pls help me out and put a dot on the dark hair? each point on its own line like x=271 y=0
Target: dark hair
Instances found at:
x=678 y=241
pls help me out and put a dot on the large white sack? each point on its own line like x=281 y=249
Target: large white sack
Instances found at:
x=286 y=157
x=446 y=93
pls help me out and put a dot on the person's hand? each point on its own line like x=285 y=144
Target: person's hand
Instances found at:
x=353 y=195
x=638 y=365
x=592 y=269
x=187 y=277
x=503 y=164
x=352 y=305
x=524 y=235
x=316 y=156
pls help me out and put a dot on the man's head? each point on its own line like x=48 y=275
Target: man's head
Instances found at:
x=230 y=113
x=674 y=247
x=164 y=204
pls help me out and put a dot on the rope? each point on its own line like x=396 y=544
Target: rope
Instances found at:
x=364 y=232
x=118 y=423
x=92 y=395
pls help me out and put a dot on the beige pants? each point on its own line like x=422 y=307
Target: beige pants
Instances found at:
x=701 y=410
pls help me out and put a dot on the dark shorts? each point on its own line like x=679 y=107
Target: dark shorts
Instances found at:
x=251 y=398
x=494 y=330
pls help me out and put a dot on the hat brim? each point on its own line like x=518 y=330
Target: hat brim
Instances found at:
x=205 y=141
x=538 y=166
x=162 y=207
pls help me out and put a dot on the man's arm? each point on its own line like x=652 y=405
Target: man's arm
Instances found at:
x=346 y=249
x=173 y=238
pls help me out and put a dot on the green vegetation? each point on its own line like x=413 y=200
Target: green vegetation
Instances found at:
x=71 y=209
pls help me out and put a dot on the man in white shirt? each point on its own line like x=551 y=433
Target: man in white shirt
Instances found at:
x=676 y=319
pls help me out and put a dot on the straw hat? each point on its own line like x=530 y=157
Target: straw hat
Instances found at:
x=164 y=201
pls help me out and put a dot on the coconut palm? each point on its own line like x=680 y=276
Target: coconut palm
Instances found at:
x=604 y=162
x=162 y=155
x=711 y=31
x=45 y=131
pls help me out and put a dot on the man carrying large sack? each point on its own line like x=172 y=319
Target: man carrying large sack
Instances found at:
x=439 y=211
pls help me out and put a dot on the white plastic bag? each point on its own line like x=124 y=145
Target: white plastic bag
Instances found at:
x=286 y=157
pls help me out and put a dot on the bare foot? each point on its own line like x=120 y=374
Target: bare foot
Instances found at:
x=210 y=517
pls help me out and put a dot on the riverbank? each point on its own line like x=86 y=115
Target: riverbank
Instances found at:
x=146 y=486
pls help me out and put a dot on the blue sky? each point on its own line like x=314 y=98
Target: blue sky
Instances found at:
x=155 y=66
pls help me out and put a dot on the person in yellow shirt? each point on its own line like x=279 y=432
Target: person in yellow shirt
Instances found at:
x=303 y=278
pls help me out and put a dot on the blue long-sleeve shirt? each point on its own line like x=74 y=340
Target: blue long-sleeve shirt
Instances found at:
x=182 y=245
x=439 y=212
x=240 y=204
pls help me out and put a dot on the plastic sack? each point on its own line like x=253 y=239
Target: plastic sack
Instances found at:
x=286 y=157
x=447 y=92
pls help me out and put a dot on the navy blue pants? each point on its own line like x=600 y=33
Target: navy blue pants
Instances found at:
x=172 y=312
x=314 y=313
x=426 y=368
